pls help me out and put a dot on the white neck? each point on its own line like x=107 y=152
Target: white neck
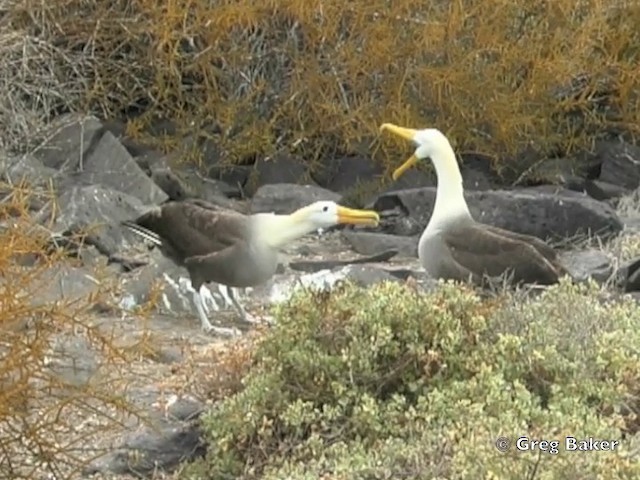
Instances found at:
x=450 y=203
x=278 y=230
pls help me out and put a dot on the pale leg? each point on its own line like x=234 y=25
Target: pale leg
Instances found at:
x=224 y=291
x=239 y=308
x=183 y=286
x=204 y=321
x=244 y=315
x=208 y=299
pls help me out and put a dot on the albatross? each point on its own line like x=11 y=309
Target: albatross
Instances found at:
x=235 y=250
x=454 y=246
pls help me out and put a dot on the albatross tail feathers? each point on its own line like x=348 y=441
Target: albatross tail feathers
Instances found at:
x=143 y=232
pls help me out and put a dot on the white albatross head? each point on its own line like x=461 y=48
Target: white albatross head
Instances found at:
x=278 y=230
x=325 y=214
x=433 y=144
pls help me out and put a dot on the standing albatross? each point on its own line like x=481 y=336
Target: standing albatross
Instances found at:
x=453 y=245
x=235 y=250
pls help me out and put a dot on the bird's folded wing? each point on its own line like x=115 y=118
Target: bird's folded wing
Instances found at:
x=224 y=266
x=482 y=251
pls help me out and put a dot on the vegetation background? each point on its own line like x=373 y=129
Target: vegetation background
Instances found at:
x=317 y=77
x=404 y=387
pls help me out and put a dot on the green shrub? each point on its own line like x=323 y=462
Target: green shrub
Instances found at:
x=388 y=383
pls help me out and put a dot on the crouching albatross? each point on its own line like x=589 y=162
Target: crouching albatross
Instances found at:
x=453 y=245
x=235 y=250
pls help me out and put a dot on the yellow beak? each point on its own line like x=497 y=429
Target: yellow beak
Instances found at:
x=358 y=217
x=407 y=134
x=398 y=172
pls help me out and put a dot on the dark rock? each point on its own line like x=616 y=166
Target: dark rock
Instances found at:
x=281 y=168
x=576 y=184
x=213 y=191
x=620 y=163
x=211 y=152
x=60 y=283
x=604 y=190
x=594 y=188
x=475 y=179
x=362 y=274
x=161 y=126
x=118 y=128
x=405 y=274
x=543 y=212
x=629 y=210
x=169 y=354
x=71 y=139
x=128 y=263
x=234 y=175
x=477 y=172
x=97 y=211
x=185 y=409
x=217 y=169
x=109 y=164
x=162 y=447
x=635 y=296
x=361 y=194
x=221 y=201
x=29 y=170
x=170 y=184
x=317 y=265
x=568 y=173
x=342 y=173
x=365 y=275
x=284 y=198
x=417 y=179
x=91 y=256
x=369 y=243
x=152 y=160
x=398 y=222
x=555 y=171
x=73 y=361
x=553 y=190
x=628 y=275
x=136 y=148
x=586 y=264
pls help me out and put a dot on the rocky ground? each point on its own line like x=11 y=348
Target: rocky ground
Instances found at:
x=100 y=178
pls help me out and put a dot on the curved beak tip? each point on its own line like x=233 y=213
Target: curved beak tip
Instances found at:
x=398 y=172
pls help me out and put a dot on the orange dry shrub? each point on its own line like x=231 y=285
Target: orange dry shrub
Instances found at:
x=317 y=77
x=220 y=370
x=46 y=419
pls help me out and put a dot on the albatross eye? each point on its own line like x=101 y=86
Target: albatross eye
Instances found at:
x=325 y=209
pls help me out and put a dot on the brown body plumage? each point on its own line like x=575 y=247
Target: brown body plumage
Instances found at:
x=212 y=243
x=475 y=251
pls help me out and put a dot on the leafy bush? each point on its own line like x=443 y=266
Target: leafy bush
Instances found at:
x=318 y=77
x=385 y=383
